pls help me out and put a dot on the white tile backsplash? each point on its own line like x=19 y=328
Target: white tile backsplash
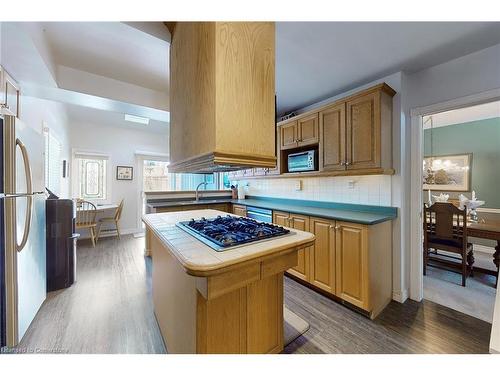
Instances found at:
x=372 y=190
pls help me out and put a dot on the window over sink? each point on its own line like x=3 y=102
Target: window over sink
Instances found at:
x=157 y=178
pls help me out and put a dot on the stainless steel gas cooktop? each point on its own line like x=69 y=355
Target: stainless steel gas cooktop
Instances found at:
x=227 y=232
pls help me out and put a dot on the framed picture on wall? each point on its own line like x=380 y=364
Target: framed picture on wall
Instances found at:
x=448 y=172
x=124 y=173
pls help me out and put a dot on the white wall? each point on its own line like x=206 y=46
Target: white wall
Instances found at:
x=121 y=144
x=38 y=113
x=466 y=75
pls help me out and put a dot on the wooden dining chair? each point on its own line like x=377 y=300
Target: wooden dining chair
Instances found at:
x=112 y=220
x=86 y=218
x=445 y=228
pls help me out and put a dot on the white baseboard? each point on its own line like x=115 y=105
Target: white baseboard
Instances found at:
x=400 y=296
x=105 y=234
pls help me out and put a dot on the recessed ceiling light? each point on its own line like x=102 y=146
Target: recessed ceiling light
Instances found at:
x=137 y=119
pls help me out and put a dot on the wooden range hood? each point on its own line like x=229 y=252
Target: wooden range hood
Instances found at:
x=222 y=103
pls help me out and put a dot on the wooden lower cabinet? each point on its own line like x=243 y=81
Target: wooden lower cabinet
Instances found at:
x=301 y=270
x=322 y=255
x=352 y=264
x=350 y=261
x=299 y=222
x=239 y=210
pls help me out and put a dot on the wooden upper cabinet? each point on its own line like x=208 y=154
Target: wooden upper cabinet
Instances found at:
x=332 y=145
x=288 y=135
x=363 y=132
x=352 y=264
x=302 y=132
x=222 y=96
x=307 y=130
x=322 y=254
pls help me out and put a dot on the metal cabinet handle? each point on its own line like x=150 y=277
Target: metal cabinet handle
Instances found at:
x=29 y=189
x=347 y=163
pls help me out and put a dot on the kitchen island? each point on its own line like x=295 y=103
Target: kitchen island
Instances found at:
x=218 y=302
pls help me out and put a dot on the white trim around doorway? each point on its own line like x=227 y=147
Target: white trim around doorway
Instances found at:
x=416 y=235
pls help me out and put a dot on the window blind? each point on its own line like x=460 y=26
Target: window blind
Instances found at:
x=53 y=164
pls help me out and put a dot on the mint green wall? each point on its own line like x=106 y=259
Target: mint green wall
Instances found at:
x=482 y=139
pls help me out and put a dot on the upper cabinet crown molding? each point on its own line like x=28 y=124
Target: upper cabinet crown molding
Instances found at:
x=222 y=106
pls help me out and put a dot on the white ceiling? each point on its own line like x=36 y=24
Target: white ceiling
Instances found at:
x=463 y=115
x=111 y=49
x=318 y=60
x=80 y=116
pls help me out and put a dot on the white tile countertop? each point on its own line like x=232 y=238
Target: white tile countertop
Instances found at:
x=199 y=259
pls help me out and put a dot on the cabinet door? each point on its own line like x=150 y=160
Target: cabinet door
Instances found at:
x=281 y=218
x=352 y=264
x=301 y=270
x=322 y=255
x=288 y=135
x=307 y=130
x=239 y=210
x=332 y=150
x=363 y=132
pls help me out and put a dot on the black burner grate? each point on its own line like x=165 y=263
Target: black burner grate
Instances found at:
x=230 y=230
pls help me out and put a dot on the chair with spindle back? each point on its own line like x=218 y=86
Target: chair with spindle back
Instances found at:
x=112 y=220
x=445 y=228
x=86 y=218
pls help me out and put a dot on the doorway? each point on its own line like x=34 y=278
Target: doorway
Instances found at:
x=452 y=162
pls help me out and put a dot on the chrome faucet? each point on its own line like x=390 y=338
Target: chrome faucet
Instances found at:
x=196 y=194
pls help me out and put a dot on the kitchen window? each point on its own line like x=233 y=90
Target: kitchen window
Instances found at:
x=157 y=178
x=92 y=174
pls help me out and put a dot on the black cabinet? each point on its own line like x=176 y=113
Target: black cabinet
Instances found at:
x=61 y=243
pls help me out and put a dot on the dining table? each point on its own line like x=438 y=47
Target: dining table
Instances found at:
x=104 y=207
x=487 y=229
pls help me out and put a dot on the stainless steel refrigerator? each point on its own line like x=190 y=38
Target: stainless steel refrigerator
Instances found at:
x=22 y=231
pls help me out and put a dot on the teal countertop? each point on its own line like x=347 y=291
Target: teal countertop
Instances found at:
x=355 y=213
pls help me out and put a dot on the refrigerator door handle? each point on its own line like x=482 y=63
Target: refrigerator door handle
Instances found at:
x=29 y=196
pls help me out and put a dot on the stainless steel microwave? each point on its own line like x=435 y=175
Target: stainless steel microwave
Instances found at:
x=302 y=161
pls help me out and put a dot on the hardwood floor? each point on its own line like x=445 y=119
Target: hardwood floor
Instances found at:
x=401 y=328
x=109 y=310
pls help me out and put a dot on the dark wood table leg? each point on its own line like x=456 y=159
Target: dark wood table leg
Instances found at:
x=496 y=258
